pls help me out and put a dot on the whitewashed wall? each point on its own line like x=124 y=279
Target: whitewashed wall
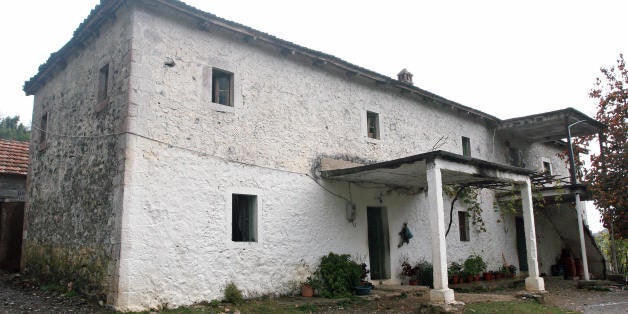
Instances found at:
x=190 y=156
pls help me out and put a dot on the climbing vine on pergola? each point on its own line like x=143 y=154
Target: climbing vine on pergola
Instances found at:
x=469 y=192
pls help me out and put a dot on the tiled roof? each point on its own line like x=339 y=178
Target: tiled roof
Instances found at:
x=13 y=157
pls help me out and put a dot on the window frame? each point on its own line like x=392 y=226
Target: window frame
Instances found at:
x=466 y=146
x=463 y=226
x=549 y=164
x=377 y=135
x=215 y=90
x=102 y=94
x=43 y=130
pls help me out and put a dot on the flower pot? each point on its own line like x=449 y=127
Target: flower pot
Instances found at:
x=476 y=278
x=456 y=279
x=414 y=282
x=469 y=278
x=488 y=276
x=307 y=291
x=363 y=290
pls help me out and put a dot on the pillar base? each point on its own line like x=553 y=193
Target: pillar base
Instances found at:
x=535 y=284
x=445 y=296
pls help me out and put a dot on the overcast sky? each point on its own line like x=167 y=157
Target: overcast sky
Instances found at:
x=506 y=58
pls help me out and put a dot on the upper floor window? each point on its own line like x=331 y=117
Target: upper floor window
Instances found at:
x=372 y=125
x=222 y=87
x=103 y=83
x=43 y=130
x=547 y=167
x=466 y=146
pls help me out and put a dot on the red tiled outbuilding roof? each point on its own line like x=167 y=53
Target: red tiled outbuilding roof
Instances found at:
x=13 y=157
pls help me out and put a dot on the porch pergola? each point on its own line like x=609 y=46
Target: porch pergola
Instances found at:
x=430 y=171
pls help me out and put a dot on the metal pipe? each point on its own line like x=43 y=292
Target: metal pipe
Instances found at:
x=579 y=205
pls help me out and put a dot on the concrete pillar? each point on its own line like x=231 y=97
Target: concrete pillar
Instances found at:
x=441 y=292
x=533 y=282
x=583 y=250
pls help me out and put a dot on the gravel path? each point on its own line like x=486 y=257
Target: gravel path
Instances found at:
x=565 y=294
x=18 y=296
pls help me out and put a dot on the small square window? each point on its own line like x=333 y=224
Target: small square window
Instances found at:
x=222 y=87
x=243 y=218
x=372 y=125
x=43 y=130
x=466 y=146
x=103 y=83
x=547 y=167
x=463 y=226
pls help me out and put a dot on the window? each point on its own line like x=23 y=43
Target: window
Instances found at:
x=43 y=129
x=103 y=83
x=243 y=218
x=547 y=167
x=222 y=87
x=466 y=147
x=372 y=125
x=463 y=226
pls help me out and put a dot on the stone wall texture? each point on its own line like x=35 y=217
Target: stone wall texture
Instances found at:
x=74 y=195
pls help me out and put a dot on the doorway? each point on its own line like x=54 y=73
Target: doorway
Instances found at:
x=379 y=244
x=11 y=222
x=521 y=244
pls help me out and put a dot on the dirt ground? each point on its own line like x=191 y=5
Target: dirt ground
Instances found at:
x=22 y=296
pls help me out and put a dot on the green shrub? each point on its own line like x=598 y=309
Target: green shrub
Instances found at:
x=233 y=294
x=426 y=273
x=474 y=265
x=338 y=275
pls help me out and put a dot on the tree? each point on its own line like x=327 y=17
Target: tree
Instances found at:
x=608 y=175
x=11 y=130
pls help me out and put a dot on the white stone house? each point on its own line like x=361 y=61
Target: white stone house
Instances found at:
x=178 y=151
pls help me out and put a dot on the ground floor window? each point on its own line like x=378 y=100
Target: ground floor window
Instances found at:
x=463 y=225
x=243 y=218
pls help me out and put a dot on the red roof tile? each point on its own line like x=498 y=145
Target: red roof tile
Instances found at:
x=13 y=157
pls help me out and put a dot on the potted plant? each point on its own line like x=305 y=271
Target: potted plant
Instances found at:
x=425 y=273
x=410 y=272
x=365 y=286
x=475 y=265
x=454 y=270
x=307 y=287
x=513 y=270
x=504 y=270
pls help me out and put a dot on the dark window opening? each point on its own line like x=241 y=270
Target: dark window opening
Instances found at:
x=222 y=85
x=547 y=167
x=466 y=146
x=43 y=129
x=243 y=218
x=103 y=83
x=463 y=226
x=372 y=124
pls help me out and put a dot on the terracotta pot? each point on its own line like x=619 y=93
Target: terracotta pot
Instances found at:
x=470 y=278
x=456 y=279
x=307 y=291
x=476 y=278
x=488 y=276
x=414 y=282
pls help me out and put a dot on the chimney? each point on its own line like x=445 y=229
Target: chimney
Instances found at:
x=405 y=77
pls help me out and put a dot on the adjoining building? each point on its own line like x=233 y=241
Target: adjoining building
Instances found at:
x=175 y=151
x=13 y=170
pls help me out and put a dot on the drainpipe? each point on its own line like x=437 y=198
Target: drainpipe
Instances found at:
x=579 y=204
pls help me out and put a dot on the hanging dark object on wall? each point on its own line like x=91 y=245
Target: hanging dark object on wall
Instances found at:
x=404 y=235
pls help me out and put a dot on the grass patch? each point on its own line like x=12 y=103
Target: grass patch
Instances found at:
x=512 y=307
